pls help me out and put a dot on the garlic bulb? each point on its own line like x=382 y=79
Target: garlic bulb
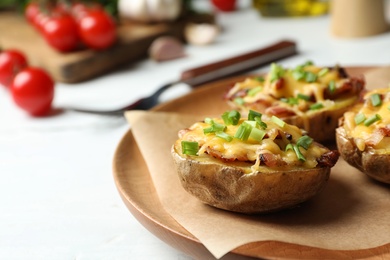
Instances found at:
x=147 y=11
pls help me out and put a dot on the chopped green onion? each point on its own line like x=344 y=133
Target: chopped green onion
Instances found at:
x=304 y=97
x=359 y=118
x=254 y=91
x=215 y=127
x=239 y=101
x=316 y=106
x=208 y=130
x=243 y=131
x=252 y=123
x=257 y=134
x=289 y=147
x=261 y=79
x=208 y=120
x=376 y=100
x=278 y=121
x=299 y=153
x=308 y=63
x=298 y=74
x=332 y=86
x=388 y=107
x=369 y=121
x=310 y=77
x=218 y=127
x=190 y=148
x=290 y=100
x=304 y=141
x=253 y=114
x=224 y=136
x=262 y=124
x=276 y=72
x=231 y=117
x=295 y=148
x=293 y=101
x=323 y=72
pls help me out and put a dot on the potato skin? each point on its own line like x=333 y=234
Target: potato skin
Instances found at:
x=373 y=164
x=230 y=188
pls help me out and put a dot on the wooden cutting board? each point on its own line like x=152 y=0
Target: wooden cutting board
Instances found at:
x=133 y=43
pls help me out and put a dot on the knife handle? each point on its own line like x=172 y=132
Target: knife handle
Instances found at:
x=238 y=64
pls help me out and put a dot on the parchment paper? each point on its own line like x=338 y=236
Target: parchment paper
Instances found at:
x=351 y=213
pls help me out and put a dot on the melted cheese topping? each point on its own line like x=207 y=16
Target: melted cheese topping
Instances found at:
x=250 y=151
x=293 y=87
x=369 y=136
x=274 y=92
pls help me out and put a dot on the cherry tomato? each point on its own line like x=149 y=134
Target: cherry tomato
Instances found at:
x=11 y=62
x=60 y=32
x=79 y=10
x=31 y=11
x=97 y=29
x=33 y=90
x=224 y=5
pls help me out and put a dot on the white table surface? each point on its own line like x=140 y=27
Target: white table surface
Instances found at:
x=58 y=199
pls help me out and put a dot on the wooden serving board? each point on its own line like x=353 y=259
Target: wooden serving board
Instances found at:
x=133 y=43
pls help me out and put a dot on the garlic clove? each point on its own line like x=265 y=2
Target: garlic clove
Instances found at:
x=201 y=33
x=166 y=48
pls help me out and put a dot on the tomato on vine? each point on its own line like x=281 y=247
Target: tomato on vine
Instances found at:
x=97 y=29
x=11 y=62
x=33 y=90
x=31 y=12
x=60 y=32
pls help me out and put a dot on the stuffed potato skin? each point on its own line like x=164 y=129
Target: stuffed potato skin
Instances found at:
x=363 y=144
x=370 y=162
x=230 y=188
x=310 y=97
x=251 y=175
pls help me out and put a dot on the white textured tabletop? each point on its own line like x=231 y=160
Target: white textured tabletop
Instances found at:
x=58 y=199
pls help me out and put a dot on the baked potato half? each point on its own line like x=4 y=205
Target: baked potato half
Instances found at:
x=250 y=165
x=310 y=97
x=363 y=137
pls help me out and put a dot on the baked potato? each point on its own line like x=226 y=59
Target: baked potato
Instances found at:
x=363 y=137
x=250 y=165
x=310 y=97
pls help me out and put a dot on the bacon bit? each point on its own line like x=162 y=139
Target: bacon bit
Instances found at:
x=279 y=111
x=241 y=93
x=219 y=155
x=378 y=135
x=385 y=130
x=259 y=105
x=264 y=102
x=328 y=159
x=271 y=160
x=279 y=84
x=352 y=86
